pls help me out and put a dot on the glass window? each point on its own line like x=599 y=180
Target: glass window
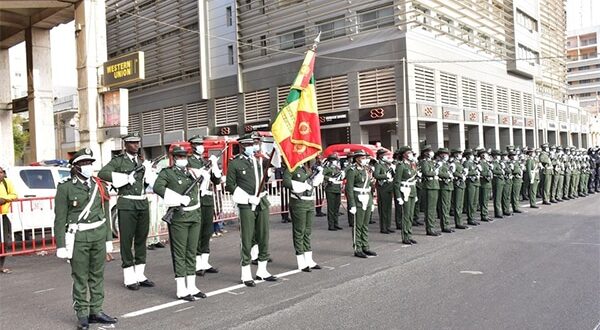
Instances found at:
x=230 y=54
x=228 y=16
x=333 y=28
x=375 y=18
x=38 y=179
x=291 y=39
x=63 y=174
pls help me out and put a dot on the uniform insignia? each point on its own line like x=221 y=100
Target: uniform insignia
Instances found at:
x=179 y=181
x=88 y=151
x=244 y=172
x=74 y=203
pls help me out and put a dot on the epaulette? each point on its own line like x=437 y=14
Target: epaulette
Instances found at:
x=65 y=180
x=119 y=155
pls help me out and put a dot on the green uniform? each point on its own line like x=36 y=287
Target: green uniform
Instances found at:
x=246 y=174
x=384 y=173
x=567 y=181
x=508 y=185
x=460 y=176
x=497 y=187
x=133 y=213
x=333 y=193
x=517 y=182
x=302 y=207
x=555 y=179
x=532 y=176
x=404 y=187
x=559 y=170
x=485 y=188
x=359 y=196
x=350 y=215
x=576 y=177
x=445 y=195
x=547 y=171
x=431 y=186
x=207 y=208
x=184 y=229
x=472 y=190
x=89 y=249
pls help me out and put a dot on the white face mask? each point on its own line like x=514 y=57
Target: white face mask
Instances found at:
x=364 y=162
x=87 y=170
x=250 y=150
x=445 y=158
x=199 y=149
x=459 y=157
x=181 y=163
x=430 y=154
x=471 y=157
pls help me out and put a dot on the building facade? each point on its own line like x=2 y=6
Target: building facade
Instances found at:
x=583 y=67
x=446 y=73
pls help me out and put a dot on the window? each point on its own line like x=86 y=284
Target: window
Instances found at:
x=230 y=54
x=469 y=90
x=63 y=174
x=487 y=97
x=257 y=105
x=38 y=179
x=425 y=84
x=226 y=110
x=292 y=39
x=527 y=21
x=228 y=16
x=332 y=93
x=502 y=99
x=332 y=28
x=263 y=45
x=375 y=18
x=197 y=114
x=530 y=56
x=377 y=87
x=448 y=89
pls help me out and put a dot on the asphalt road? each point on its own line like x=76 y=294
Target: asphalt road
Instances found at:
x=538 y=270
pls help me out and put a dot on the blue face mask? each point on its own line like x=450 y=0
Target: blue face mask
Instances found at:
x=250 y=150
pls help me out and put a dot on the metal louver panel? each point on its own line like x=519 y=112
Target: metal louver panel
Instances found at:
x=226 y=110
x=172 y=117
x=197 y=115
x=282 y=94
x=425 y=84
x=487 y=97
x=502 y=99
x=151 y=121
x=515 y=103
x=562 y=116
x=538 y=111
x=574 y=118
x=257 y=106
x=448 y=89
x=377 y=87
x=469 y=90
x=135 y=123
x=527 y=105
x=550 y=113
x=332 y=94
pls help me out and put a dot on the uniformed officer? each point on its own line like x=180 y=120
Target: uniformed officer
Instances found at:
x=486 y=176
x=301 y=183
x=209 y=168
x=497 y=183
x=458 y=194
x=384 y=173
x=472 y=186
x=184 y=229
x=547 y=172
x=405 y=190
x=397 y=158
x=532 y=176
x=557 y=173
x=446 y=182
x=84 y=236
x=430 y=184
x=360 y=200
x=568 y=174
x=517 y=180
x=334 y=177
x=507 y=166
x=244 y=175
x=130 y=175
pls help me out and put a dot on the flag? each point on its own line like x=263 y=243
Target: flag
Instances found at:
x=296 y=128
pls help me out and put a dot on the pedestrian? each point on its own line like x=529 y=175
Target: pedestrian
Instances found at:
x=184 y=227
x=517 y=180
x=84 y=237
x=209 y=168
x=301 y=183
x=319 y=192
x=446 y=179
x=244 y=177
x=458 y=194
x=547 y=173
x=7 y=195
x=497 y=183
x=405 y=190
x=532 y=176
x=130 y=176
x=507 y=166
x=284 y=195
x=359 y=197
x=485 y=188
x=472 y=186
x=334 y=177
x=430 y=184
x=384 y=174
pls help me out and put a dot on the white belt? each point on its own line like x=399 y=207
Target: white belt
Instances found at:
x=362 y=190
x=207 y=193
x=407 y=184
x=304 y=198
x=136 y=197
x=191 y=208
x=87 y=226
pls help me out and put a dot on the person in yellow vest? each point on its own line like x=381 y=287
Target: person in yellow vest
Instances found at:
x=7 y=195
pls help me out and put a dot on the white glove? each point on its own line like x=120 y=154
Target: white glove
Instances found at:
x=307 y=186
x=352 y=210
x=109 y=247
x=373 y=208
x=389 y=175
x=131 y=178
x=254 y=200
x=62 y=253
x=318 y=180
x=262 y=194
x=185 y=200
x=213 y=159
x=416 y=198
x=400 y=201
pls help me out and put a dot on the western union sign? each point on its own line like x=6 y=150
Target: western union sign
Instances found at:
x=124 y=70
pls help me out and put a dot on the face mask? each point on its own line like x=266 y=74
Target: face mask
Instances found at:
x=87 y=170
x=471 y=157
x=250 y=150
x=199 y=149
x=181 y=163
x=364 y=162
x=334 y=163
x=458 y=157
x=445 y=158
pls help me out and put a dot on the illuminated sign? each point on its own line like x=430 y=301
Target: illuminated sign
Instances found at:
x=385 y=112
x=125 y=69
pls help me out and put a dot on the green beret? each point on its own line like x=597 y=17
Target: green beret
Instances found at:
x=333 y=156
x=443 y=151
x=404 y=149
x=132 y=137
x=359 y=153
x=455 y=151
x=426 y=147
x=82 y=154
x=467 y=152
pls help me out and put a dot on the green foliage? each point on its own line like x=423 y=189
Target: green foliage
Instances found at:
x=20 y=137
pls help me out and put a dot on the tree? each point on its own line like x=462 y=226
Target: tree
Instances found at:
x=20 y=137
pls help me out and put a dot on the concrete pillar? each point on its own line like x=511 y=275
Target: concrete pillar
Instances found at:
x=7 y=156
x=474 y=135
x=489 y=137
x=356 y=135
x=433 y=135
x=456 y=136
x=40 y=99
x=504 y=137
x=90 y=38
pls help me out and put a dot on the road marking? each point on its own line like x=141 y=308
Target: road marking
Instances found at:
x=42 y=291
x=328 y=267
x=108 y=326
x=208 y=294
x=235 y=293
x=183 y=309
x=344 y=265
x=576 y=243
x=471 y=272
x=597 y=326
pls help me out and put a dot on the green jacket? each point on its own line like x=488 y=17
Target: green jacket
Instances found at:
x=406 y=173
x=486 y=174
x=381 y=174
x=445 y=176
x=357 y=177
x=497 y=170
x=335 y=173
x=517 y=171
x=123 y=164
x=241 y=173
x=301 y=174
x=546 y=163
x=199 y=163
x=72 y=197
x=429 y=179
x=459 y=171
x=531 y=169
x=472 y=172
x=174 y=178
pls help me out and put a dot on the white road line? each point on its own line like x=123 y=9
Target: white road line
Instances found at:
x=42 y=291
x=183 y=309
x=208 y=294
x=597 y=326
x=344 y=265
x=328 y=267
x=471 y=272
x=576 y=243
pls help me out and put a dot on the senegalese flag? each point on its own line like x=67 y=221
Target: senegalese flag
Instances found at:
x=296 y=129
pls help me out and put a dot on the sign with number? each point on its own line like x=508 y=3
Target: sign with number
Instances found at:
x=377 y=113
x=227 y=130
